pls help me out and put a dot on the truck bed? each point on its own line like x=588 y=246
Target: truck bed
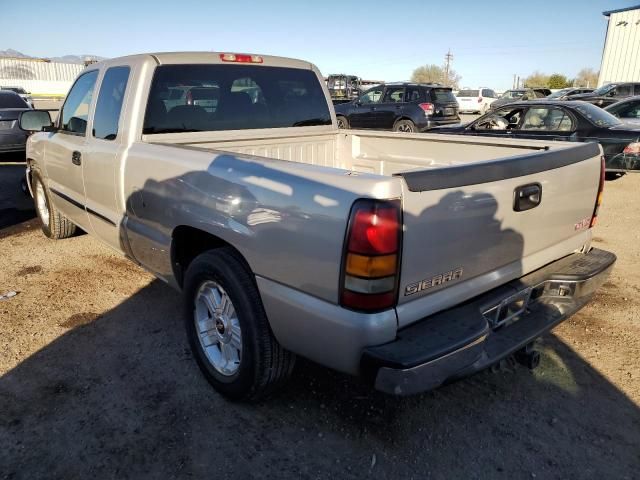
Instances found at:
x=380 y=153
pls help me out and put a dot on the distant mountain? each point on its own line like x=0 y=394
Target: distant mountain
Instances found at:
x=64 y=59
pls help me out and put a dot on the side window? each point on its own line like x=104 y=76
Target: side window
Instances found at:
x=636 y=89
x=372 y=96
x=414 y=94
x=75 y=111
x=623 y=91
x=109 y=105
x=503 y=119
x=632 y=111
x=393 y=95
x=547 y=119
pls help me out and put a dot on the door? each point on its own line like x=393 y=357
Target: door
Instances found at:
x=101 y=160
x=389 y=109
x=362 y=113
x=65 y=150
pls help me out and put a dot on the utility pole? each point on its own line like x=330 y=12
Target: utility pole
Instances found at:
x=447 y=63
x=513 y=84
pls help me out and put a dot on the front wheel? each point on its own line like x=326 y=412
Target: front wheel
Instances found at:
x=54 y=225
x=404 y=126
x=228 y=329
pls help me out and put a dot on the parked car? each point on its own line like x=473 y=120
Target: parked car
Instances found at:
x=12 y=138
x=26 y=96
x=626 y=110
x=401 y=107
x=568 y=93
x=562 y=120
x=520 y=94
x=610 y=93
x=475 y=101
x=407 y=259
x=203 y=96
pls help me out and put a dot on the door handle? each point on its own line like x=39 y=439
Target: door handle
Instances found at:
x=76 y=158
x=526 y=197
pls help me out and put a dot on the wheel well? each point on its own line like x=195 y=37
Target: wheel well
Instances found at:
x=189 y=242
x=403 y=118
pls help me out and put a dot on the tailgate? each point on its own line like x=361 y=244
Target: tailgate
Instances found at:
x=463 y=235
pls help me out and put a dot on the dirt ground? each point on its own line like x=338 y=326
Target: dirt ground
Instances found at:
x=97 y=381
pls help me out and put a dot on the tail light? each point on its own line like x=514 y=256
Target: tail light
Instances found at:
x=594 y=217
x=371 y=263
x=189 y=98
x=240 y=58
x=479 y=99
x=632 y=149
x=428 y=108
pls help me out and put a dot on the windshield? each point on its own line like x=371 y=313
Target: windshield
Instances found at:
x=559 y=93
x=512 y=94
x=12 y=100
x=603 y=90
x=469 y=93
x=597 y=116
x=234 y=97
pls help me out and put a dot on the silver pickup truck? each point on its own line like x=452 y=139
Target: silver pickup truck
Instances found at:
x=408 y=259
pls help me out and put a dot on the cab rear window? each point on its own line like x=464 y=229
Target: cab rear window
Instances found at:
x=443 y=95
x=469 y=93
x=193 y=98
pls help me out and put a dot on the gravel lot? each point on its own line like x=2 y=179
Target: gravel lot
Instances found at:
x=97 y=380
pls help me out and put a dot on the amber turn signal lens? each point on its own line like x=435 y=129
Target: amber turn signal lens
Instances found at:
x=371 y=267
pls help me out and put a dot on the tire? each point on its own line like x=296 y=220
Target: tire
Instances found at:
x=610 y=176
x=485 y=109
x=254 y=364
x=342 y=122
x=404 y=126
x=54 y=225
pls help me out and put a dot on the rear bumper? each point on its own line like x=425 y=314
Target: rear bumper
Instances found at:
x=430 y=123
x=621 y=162
x=472 y=336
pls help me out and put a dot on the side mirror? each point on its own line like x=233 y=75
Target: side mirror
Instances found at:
x=34 y=120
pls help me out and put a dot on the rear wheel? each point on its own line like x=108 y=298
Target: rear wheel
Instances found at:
x=404 y=126
x=342 y=122
x=228 y=329
x=54 y=225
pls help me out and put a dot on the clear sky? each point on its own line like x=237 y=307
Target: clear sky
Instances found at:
x=490 y=40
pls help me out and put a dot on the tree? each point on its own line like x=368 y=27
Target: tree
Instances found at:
x=435 y=74
x=558 y=81
x=587 y=77
x=537 y=79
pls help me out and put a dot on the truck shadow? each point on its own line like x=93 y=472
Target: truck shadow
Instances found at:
x=121 y=396
x=15 y=206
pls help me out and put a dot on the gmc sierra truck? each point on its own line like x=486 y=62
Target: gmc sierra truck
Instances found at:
x=411 y=260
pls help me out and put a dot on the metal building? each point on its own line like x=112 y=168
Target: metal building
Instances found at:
x=38 y=76
x=621 y=55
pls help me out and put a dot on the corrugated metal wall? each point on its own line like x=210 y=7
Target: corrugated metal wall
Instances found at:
x=621 y=57
x=39 y=78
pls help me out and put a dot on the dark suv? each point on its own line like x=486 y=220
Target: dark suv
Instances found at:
x=610 y=93
x=401 y=107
